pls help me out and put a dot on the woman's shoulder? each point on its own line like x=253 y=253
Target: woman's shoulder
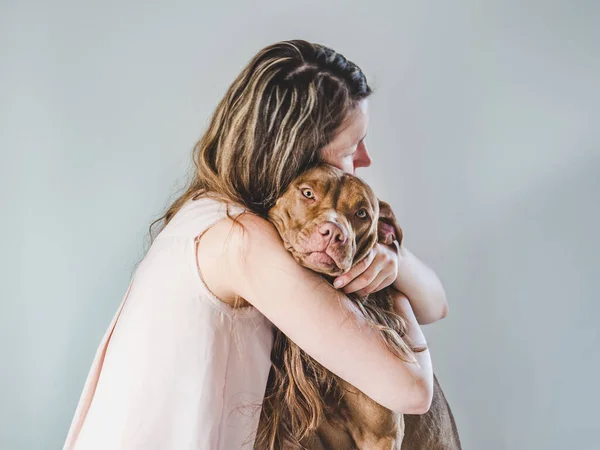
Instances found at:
x=245 y=230
x=210 y=204
x=198 y=214
x=227 y=248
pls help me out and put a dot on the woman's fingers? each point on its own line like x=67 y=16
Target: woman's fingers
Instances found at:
x=376 y=285
x=381 y=272
x=372 y=275
x=355 y=271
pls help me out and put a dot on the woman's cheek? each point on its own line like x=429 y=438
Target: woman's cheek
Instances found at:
x=349 y=166
x=345 y=163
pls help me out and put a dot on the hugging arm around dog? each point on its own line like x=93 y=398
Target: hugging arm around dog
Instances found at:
x=317 y=317
x=190 y=345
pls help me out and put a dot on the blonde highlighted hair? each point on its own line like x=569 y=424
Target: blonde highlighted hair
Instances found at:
x=285 y=105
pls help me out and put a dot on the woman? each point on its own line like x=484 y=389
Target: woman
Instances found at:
x=185 y=361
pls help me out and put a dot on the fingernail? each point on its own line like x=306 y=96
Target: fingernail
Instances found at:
x=338 y=283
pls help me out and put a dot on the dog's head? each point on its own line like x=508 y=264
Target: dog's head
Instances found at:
x=329 y=220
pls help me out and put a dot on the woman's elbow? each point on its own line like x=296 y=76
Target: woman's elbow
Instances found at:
x=422 y=407
x=437 y=312
x=415 y=401
x=432 y=316
x=444 y=312
x=421 y=401
x=442 y=302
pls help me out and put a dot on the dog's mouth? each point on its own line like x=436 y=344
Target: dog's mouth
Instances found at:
x=314 y=254
x=320 y=261
x=321 y=258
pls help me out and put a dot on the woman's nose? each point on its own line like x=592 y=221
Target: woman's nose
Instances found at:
x=362 y=157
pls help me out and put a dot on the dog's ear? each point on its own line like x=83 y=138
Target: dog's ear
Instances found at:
x=388 y=229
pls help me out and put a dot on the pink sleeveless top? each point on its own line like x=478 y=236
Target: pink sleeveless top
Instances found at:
x=177 y=369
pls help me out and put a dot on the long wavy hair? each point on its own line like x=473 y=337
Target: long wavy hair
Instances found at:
x=285 y=105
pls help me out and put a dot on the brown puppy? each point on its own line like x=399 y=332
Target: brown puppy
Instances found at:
x=329 y=221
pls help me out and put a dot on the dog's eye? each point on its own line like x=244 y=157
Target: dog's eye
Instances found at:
x=362 y=213
x=308 y=193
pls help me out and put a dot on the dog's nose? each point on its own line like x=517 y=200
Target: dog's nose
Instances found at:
x=333 y=232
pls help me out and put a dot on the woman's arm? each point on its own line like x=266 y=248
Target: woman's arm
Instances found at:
x=413 y=335
x=253 y=264
x=422 y=286
x=392 y=265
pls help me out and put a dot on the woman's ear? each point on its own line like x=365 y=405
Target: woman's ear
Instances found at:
x=388 y=229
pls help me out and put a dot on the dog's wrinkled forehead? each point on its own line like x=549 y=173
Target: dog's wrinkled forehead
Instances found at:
x=327 y=216
x=338 y=189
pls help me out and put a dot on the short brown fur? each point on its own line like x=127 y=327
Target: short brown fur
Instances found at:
x=305 y=405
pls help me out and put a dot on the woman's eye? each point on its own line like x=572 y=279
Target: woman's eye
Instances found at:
x=362 y=213
x=308 y=193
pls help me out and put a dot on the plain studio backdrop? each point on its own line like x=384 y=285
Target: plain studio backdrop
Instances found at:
x=485 y=138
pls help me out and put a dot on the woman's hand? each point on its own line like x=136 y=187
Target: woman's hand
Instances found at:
x=376 y=271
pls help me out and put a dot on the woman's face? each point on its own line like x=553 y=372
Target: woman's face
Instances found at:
x=348 y=151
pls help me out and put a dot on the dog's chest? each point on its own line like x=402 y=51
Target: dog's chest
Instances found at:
x=366 y=424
